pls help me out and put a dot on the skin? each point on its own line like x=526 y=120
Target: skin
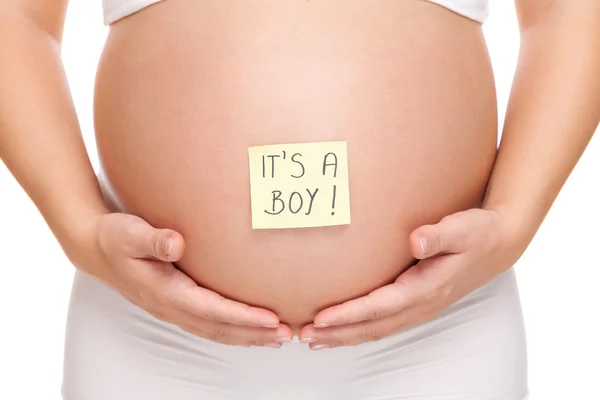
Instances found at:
x=553 y=111
x=173 y=145
x=122 y=250
x=556 y=91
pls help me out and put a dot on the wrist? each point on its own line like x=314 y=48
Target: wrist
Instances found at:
x=517 y=229
x=76 y=233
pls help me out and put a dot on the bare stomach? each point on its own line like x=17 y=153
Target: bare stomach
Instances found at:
x=184 y=87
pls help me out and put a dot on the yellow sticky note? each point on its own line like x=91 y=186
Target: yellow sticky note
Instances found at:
x=299 y=185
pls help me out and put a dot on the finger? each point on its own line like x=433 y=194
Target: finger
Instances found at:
x=237 y=335
x=380 y=303
x=183 y=293
x=447 y=236
x=164 y=286
x=165 y=245
x=367 y=331
x=214 y=307
x=145 y=241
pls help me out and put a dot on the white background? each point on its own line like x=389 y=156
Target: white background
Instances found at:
x=558 y=275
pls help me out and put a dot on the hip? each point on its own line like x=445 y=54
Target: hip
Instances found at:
x=474 y=350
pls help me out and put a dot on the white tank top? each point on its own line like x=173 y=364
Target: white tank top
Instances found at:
x=474 y=9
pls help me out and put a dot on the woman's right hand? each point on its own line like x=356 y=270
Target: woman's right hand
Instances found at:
x=134 y=258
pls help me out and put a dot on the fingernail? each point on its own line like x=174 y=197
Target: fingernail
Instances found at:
x=322 y=325
x=273 y=345
x=321 y=346
x=283 y=340
x=424 y=242
x=167 y=246
x=307 y=340
x=270 y=326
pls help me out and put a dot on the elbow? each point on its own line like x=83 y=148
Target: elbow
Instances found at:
x=15 y=25
x=558 y=16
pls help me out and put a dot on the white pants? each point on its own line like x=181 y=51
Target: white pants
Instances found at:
x=473 y=351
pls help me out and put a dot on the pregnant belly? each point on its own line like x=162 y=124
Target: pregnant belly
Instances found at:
x=184 y=88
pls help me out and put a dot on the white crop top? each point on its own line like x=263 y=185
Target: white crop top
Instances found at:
x=474 y=9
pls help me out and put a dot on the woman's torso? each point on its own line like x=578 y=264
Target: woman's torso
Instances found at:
x=184 y=87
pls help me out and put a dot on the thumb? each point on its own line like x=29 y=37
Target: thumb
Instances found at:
x=166 y=245
x=447 y=236
x=149 y=242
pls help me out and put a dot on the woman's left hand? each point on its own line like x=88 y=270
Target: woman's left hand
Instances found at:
x=459 y=254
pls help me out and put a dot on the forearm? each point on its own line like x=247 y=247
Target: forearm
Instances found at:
x=40 y=139
x=552 y=114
